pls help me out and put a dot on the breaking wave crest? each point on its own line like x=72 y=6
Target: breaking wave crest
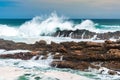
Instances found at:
x=42 y=27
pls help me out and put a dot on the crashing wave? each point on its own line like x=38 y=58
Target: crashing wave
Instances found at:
x=39 y=27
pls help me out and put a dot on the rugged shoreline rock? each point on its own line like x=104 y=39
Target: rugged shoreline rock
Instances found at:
x=74 y=55
x=85 y=34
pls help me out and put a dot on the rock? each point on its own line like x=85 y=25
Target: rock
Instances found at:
x=35 y=52
x=94 y=44
x=77 y=52
x=72 y=65
x=95 y=48
x=42 y=42
x=62 y=49
x=115 y=52
x=76 y=47
x=24 y=56
x=118 y=41
x=85 y=34
x=109 y=42
x=114 y=65
x=113 y=46
x=75 y=55
x=54 y=44
x=111 y=72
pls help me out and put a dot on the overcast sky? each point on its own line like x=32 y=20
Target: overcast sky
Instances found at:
x=69 y=8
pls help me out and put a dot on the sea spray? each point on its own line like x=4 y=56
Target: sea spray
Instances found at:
x=46 y=27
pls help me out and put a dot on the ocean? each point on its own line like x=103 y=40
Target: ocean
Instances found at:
x=21 y=29
x=32 y=30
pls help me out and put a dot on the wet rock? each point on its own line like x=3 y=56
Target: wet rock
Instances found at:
x=95 y=48
x=109 y=42
x=24 y=56
x=111 y=72
x=114 y=65
x=62 y=49
x=42 y=42
x=76 y=47
x=85 y=34
x=115 y=52
x=74 y=55
x=72 y=65
x=94 y=44
x=113 y=46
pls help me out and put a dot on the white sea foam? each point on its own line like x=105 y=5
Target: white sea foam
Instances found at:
x=3 y=51
x=19 y=67
x=6 y=30
x=10 y=73
x=65 y=75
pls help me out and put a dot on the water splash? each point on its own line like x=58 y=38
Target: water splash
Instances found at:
x=39 y=27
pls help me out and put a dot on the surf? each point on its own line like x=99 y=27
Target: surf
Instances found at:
x=57 y=28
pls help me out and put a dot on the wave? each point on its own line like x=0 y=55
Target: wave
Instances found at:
x=46 y=27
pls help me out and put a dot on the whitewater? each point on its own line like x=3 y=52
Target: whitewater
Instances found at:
x=44 y=28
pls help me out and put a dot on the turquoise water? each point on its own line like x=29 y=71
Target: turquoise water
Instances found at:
x=102 y=24
x=36 y=70
x=13 y=22
x=18 y=22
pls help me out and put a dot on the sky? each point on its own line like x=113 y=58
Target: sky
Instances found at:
x=70 y=8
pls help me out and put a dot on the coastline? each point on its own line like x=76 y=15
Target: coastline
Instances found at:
x=74 y=55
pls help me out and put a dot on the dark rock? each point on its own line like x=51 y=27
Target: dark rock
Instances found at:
x=111 y=72
x=94 y=44
x=73 y=65
x=42 y=42
x=109 y=42
x=115 y=52
x=75 y=55
x=85 y=34
x=113 y=46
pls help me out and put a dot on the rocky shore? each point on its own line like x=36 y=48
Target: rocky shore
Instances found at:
x=85 y=34
x=74 y=55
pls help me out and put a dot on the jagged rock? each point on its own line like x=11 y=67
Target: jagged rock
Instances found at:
x=113 y=46
x=62 y=49
x=72 y=65
x=75 y=55
x=85 y=34
x=76 y=47
x=111 y=72
x=94 y=44
x=115 y=52
x=24 y=56
x=109 y=42
x=42 y=42
x=95 y=48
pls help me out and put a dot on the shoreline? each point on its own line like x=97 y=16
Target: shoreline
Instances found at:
x=74 y=55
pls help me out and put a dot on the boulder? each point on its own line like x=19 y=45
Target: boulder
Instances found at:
x=42 y=42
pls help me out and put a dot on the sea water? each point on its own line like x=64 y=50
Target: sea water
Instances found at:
x=22 y=30
x=39 y=28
